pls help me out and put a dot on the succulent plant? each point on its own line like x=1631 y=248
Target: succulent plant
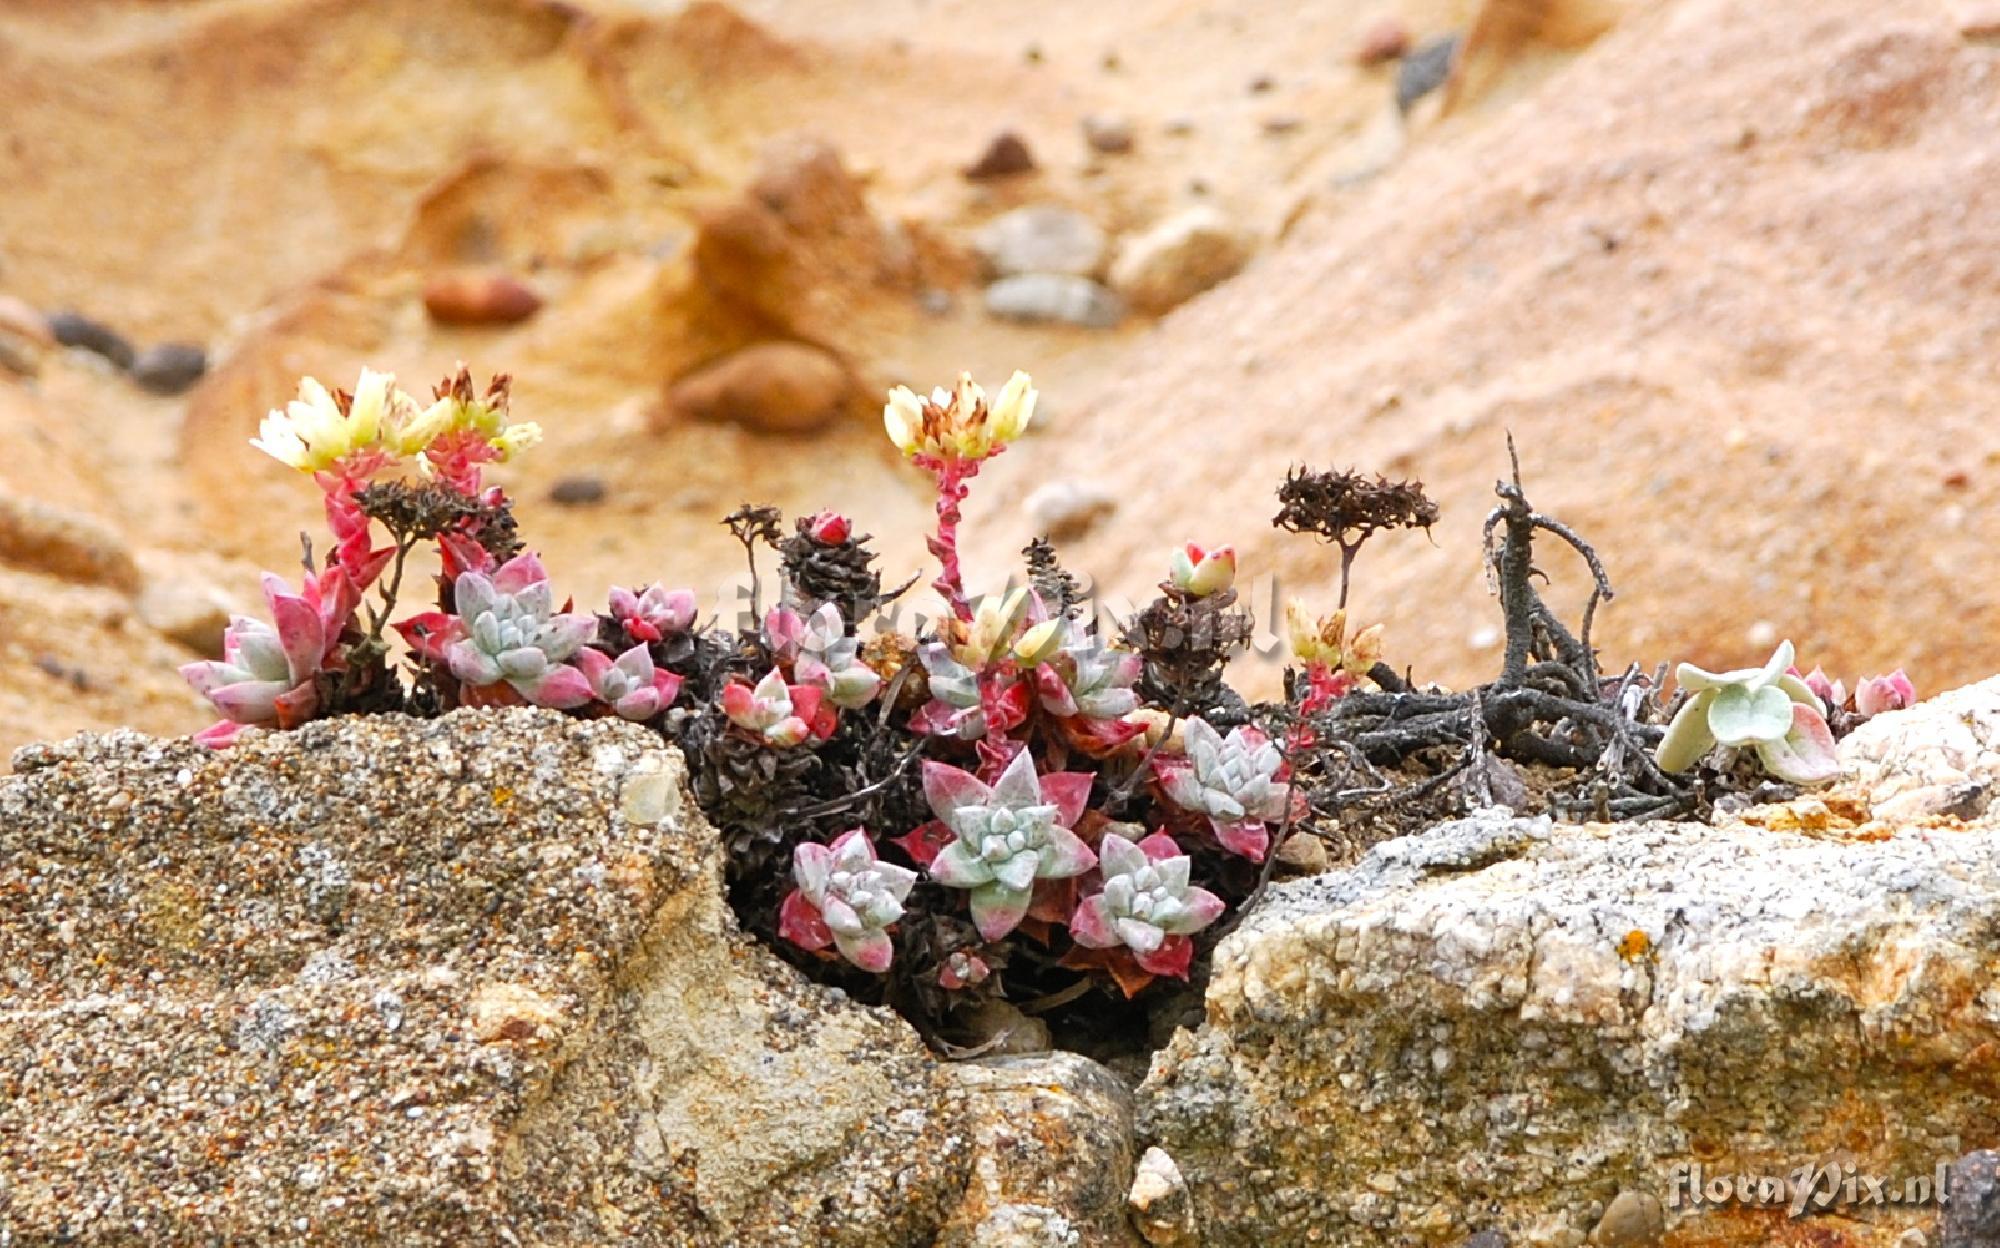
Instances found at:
x=1087 y=677
x=509 y=631
x=268 y=673
x=824 y=656
x=775 y=712
x=1232 y=781
x=1147 y=904
x=630 y=684
x=1199 y=573
x=963 y=970
x=1831 y=693
x=1875 y=694
x=1765 y=707
x=654 y=613
x=1007 y=836
x=846 y=897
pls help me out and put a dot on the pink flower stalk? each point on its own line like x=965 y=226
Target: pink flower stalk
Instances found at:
x=654 y=613
x=952 y=476
x=846 y=897
x=1875 y=694
x=630 y=685
x=353 y=532
x=1199 y=573
x=267 y=676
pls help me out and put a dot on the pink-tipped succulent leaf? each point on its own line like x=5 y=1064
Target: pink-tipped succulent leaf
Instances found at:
x=1198 y=573
x=1876 y=694
x=1006 y=837
x=630 y=684
x=854 y=896
x=654 y=613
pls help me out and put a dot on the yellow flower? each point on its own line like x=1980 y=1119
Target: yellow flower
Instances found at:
x=959 y=424
x=1324 y=640
x=316 y=430
x=459 y=413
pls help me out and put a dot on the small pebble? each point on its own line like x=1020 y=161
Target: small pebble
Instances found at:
x=73 y=329
x=1006 y=155
x=1108 y=133
x=1385 y=41
x=1633 y=1220
x=1283 y=123
x=578 y=491
x=20 y=319
x=1262 y=83
x=1424 y=71
x=1041 y=297
x=1065 y=510
x=479 y=298
x=169 y=368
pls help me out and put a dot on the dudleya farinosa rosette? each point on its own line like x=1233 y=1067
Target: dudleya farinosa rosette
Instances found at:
x=1765 y=708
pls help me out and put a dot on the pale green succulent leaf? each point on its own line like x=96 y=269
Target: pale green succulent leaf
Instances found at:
x=1688 y=737
x=1742 y=716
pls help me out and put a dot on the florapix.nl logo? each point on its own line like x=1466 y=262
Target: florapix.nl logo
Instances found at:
x=1807 y=1189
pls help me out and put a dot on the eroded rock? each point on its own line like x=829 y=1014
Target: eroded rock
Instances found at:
x=1178 y=259
x=398 y=982
x=1502 y=1025
x=770 y=387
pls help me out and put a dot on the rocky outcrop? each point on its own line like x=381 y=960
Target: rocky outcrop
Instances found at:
x=468 y=981
x=1571 y=1034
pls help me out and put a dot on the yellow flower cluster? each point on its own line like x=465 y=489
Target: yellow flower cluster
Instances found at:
x=1324 y=640
x=959 y=424
x=378 y=424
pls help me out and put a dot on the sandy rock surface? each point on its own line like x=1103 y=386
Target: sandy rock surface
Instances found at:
x=464 y=981
x=1540 y=1030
